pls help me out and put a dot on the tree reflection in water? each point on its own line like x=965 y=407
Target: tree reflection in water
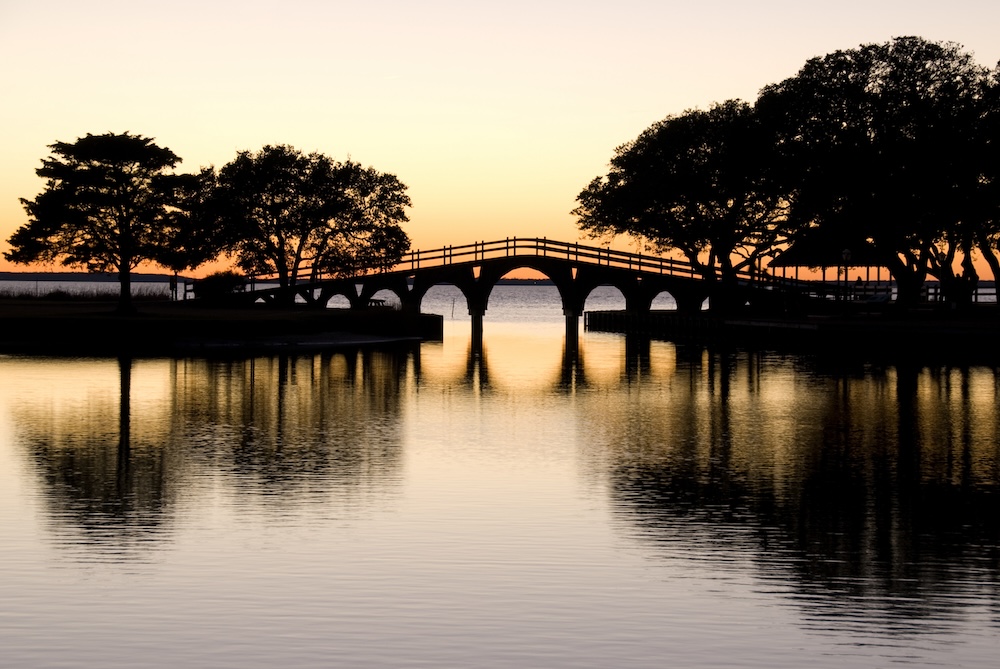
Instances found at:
x=288 y=431
x=867 y=493
x=875 y=493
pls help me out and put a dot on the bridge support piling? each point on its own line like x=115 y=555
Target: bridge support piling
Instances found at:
x=572 y=331
x=477 y=331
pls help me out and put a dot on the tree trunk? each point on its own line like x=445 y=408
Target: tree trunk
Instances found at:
x=125 y=253
x=909 y=281
x=991 y=259
x=908 y=289
x=286 y=289
x=727 y=295
x=125 y=305
x=958 y=289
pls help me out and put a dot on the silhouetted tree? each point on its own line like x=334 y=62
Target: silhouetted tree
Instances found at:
x=883 y=144
x=700 y=183
x=104 y=206
x=191 y=236
x=282 y=211
x=367 y=234
x=987 y=202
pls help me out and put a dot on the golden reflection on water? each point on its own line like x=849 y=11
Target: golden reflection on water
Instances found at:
x=879 y=487
x=537 y=361
x=117 y=444
x=864 y=487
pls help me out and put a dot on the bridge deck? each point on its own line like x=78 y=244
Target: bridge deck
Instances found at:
x=534 y=247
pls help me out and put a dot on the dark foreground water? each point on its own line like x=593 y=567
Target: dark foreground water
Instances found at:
x=635 y=505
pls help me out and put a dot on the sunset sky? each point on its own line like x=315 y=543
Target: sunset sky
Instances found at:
x=495 y=115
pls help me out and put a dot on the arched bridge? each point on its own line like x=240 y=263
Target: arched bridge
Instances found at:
x=574 y=268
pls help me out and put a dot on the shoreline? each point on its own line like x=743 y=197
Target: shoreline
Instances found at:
x=189 y=328
x=86 y=328
x=928 y=336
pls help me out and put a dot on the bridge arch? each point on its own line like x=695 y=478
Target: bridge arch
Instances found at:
x=663 y=300
x=394 y=283
x=339 y=301
x=604 y=297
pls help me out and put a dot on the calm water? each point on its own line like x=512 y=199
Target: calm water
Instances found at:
x=637 y=505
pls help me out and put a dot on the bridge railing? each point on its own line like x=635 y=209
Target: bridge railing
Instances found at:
x=543 y=248
x=530 y=247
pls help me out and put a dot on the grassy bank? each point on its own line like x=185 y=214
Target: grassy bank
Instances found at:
x=88 y=293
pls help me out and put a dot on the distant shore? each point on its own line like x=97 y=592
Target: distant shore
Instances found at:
x=146 y=277
x=46 y=327
x=91 y=277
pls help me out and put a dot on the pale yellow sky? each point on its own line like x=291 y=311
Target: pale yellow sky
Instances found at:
x=495 y=115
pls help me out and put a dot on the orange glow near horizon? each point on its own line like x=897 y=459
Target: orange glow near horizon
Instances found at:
x=805 y=273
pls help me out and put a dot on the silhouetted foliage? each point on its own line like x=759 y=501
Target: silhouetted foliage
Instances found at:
x=219 y=284
x=700 y=183
x=883 y=143
x=191 y=235
x=282 y=211
x=105 y=206
x=987 y=202
x=890 y=146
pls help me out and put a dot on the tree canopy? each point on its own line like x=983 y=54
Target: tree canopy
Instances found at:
x=284 y=212
x=190 y=234
x=105 y=206
x=884 y=143
x=890 y=145
x=699 y=183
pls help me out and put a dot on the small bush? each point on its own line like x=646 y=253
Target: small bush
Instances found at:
x=219 y=285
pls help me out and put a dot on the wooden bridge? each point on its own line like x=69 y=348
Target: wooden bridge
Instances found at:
x=575 y=269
